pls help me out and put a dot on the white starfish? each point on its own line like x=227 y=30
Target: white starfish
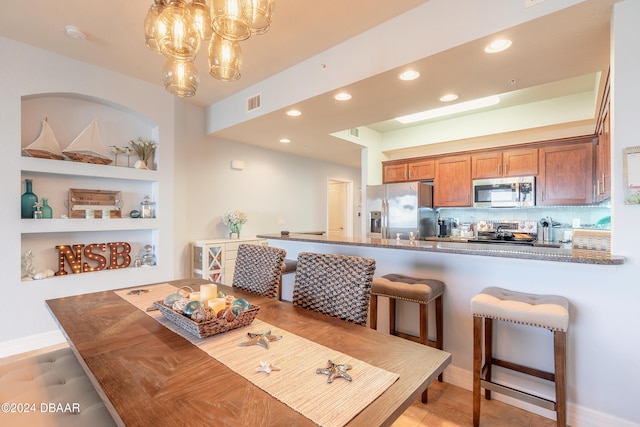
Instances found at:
x=266 y=366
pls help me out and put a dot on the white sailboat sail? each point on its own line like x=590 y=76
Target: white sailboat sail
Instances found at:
x=87 y=147
x=45 y=145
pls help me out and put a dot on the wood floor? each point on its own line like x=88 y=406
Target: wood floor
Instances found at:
x=451 y=406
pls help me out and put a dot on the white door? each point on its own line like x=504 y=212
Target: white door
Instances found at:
x=337 y=209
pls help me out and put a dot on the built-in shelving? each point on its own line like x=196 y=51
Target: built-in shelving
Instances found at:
x=54 y=179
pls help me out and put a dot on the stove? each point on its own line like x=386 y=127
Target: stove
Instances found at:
x=506 y=232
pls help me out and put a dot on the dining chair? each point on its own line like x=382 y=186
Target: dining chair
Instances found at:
x=259 y=269
x=336 y=285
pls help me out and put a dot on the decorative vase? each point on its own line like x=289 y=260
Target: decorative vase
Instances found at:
x=46 y=210
x=234 y=228
x=28 y=200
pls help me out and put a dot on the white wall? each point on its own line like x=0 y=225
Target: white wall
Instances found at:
x=277 y=191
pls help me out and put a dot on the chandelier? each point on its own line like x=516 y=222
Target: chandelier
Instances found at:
x=176 y=29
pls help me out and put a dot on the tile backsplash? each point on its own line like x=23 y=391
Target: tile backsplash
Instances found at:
x=587 y=216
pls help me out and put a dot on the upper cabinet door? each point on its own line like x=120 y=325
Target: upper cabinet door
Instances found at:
x=452 y=183
x=425 y=169
x=566 y=175
x=486 y=165
x=520 y=161
x=394 y=173
x=496 y=164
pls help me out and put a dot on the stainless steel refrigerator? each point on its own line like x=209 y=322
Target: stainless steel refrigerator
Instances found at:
x=400 y=208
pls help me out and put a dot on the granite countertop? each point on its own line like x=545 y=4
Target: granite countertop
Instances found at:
x=456 y=246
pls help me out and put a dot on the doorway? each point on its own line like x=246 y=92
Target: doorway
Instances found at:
x=339 y=208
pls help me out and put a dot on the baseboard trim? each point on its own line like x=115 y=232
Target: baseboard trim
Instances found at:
x=576 y=415
x=30 y=343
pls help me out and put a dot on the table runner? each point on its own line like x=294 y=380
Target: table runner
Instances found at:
x=297 y=384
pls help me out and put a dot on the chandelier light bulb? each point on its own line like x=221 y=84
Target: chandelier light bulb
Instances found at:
x=229 y=19
x=259 y=14
x=201 y=15
x=180 y=78
x=225 y=58
x=176 y=34
x=150 y=25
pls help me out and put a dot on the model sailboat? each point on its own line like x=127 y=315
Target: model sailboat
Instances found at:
x=45 y=145
x=88 y=147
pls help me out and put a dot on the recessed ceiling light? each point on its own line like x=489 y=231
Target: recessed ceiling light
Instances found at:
x=294 y=113
x=409 y=75
x=498 y=46
x=285 y=140
x=342 y=96
x=74 y=32
x=450 y=109
x=449 y=97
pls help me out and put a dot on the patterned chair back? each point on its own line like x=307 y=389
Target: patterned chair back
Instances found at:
x=258 y=269
x=337 y=285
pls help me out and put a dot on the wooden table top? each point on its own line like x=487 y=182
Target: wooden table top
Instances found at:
x=149 y=375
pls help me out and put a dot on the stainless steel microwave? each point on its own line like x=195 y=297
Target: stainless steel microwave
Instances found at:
x=504 y=192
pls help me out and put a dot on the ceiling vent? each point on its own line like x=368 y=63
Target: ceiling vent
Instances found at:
x=253 y=103
x=354 y=133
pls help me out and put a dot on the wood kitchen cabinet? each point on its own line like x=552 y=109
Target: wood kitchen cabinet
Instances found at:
x=452 y=182
x=408 y=171
x=566 y=174
x=496 y=164
x=421 y=170
x=603 y=161
x=394 y=172
x=603 y=152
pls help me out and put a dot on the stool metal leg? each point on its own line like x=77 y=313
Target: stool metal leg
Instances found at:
x=373 y=312
x=560 y=360
x=477 y=366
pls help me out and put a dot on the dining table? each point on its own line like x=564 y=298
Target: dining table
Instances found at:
x=148 y=373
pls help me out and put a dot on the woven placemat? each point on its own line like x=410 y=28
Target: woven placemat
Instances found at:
x=297 y=384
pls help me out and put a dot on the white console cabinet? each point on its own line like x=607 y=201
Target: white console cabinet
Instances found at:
x=215 y=259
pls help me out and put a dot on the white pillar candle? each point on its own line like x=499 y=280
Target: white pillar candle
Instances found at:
x=194 y=296
x=208 y=292
x=217 y=304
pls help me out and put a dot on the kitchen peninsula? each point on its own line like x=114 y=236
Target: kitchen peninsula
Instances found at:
x=454 y=246
x=466 y=269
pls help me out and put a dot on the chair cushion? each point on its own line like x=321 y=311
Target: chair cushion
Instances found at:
x=58 y=386
x=543 y=311
x=289 y=266
x=407 y=288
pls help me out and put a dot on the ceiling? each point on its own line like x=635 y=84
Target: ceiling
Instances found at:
x=558 y=47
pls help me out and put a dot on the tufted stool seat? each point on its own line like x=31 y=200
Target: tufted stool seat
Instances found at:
x=57 y=386
x=542 y=311
x=418 y=290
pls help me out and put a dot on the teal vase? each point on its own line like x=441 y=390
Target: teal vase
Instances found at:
x=234 y=228
x=47 y=212
x=28 y=200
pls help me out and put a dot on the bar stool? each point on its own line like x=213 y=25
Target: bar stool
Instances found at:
x=541 y=311
x=418 y=290
x=289 y=266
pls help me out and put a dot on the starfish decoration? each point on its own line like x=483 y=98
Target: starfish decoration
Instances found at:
x=137 y=291
x=335 y=371
x=262 y=339
x=266 y=366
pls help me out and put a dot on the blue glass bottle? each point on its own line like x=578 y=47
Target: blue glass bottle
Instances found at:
x=47 y=212
x=28 y=200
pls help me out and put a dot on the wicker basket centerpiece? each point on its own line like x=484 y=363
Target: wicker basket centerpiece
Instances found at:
x=210 y=327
